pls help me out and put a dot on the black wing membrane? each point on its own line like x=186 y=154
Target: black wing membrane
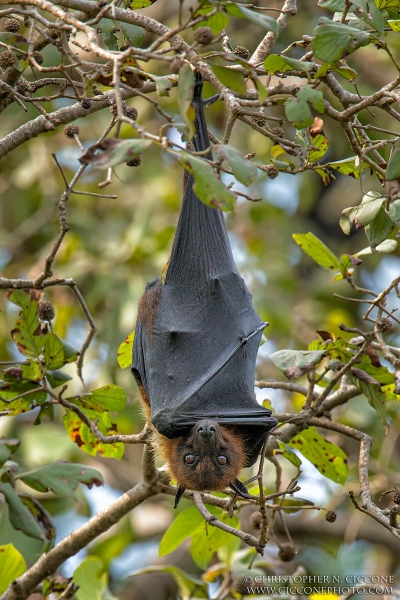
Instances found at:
x=198 y=358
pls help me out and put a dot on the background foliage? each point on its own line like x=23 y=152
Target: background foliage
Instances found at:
x=116 y=244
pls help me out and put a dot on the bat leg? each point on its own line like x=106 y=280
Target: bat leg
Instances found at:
x=240 y=489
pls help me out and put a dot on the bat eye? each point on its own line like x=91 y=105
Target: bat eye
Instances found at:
x=190 y=459
x=221 y=460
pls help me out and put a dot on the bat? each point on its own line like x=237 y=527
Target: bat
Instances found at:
x=195 y=347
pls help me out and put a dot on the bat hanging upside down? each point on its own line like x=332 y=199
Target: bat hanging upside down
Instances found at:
x=195 y=348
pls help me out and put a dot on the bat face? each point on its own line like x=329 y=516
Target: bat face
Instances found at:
x=210 y=457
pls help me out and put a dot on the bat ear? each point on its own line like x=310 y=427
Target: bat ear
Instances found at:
x=179 y=493
x=239 y=488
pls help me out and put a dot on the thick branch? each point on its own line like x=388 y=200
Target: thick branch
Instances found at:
x=62 y=116
x=289 y=9
x=48 y=563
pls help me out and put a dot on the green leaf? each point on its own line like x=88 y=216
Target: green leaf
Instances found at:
x=189 y=586
x=385 y=247
x=135 y=4
x=185 y=524
x=394 y=25
x=381 y=374
x=114 y=152
x=57 y=378
x=368 y=209
x=393 y=168
x=244 y=170
x=111 y=42
x=186 y=84
x=42 y=516
x=260 y=19
x=261 y=90
x=62 y=478
x=295 y=363
x=349 y=166
x=334 y=41
x=372 y=391
x=163 y=85
x=92 y=580
x=288 y=453
x=216 y=22
x=299 y=65
x=332 y=5
x=367 y=10
x=320 y=147
x=294 y=504
x=82 y=436
x=378 y=230
x=13 y=39
x=316 y=250
x=7 y=448
x=394 y=211
x=134 y=34
x=21 y=517
x=233 y=10
x=329 y=459
x=27 y=333
x=8 y=391
x=12 y=565
x=275 y=63
x=385 y=4
x=124 y=356
x=208 y=539
x=207 y=187
x=53 y=352
x=314 y=97
x=110 y=397
x=297 y=109
x=234 y=80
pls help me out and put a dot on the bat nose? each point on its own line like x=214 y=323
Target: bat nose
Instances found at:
x=206 y=429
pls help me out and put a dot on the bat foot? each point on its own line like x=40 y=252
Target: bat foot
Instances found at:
x=239 y=488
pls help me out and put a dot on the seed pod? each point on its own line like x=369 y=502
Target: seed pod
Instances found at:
x=287 y=552
x=384 y=324
x=278 y=131
x=135 y=162
x=7 y=59
x=114 y=111
x=258 y=121
x=203 y=36
x=38 y=56
x=242 y=52
x=240 y=587
x=45 y=311
x=131 y=112
x=255 y=520
x=272 y=171
x=330 y=516
x=71 y=130
x=11 y=25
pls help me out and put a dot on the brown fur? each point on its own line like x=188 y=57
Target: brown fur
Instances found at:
x=148 y=305
x=207 y=474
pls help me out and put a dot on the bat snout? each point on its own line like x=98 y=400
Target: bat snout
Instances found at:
x=206 y=429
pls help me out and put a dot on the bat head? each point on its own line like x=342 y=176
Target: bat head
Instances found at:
x=210 y=457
